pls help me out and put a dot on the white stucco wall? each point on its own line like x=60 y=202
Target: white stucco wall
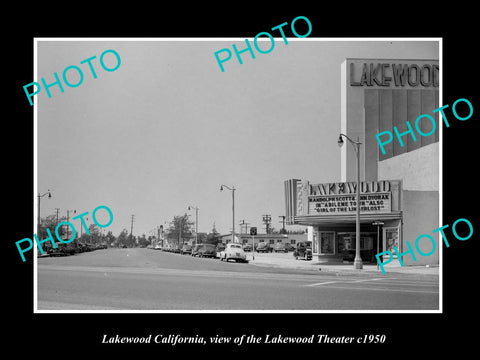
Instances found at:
x=419 y=169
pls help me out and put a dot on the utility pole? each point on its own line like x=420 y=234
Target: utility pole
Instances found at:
x=267 y=219
x=131 y=228
x=283 y=222
x=57 y=211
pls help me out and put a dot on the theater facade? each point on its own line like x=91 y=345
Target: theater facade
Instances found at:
x=399 y=190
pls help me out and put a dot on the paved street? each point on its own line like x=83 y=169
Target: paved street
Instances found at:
x=145 y=279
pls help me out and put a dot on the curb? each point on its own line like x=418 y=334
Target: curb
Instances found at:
x=325 y=268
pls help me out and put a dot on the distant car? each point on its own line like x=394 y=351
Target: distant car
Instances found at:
x=247 y=247
x=303 y=251
x=167 y=248
x=207 y=250
x=279 y=247
x=233 y=251
x=186 y=249
x=289 y=247
x=264 y=247
x=195 y=249
x=60 y=250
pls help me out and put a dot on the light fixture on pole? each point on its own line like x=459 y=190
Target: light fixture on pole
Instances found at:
x=38 y=209
x=357 y=264
x=232 y=189
x=196 y=222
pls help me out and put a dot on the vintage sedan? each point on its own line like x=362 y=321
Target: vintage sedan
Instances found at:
x=207 y=250
x=279 y=247
x=233 y=251
x=186 y=249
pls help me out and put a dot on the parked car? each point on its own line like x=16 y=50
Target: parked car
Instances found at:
x=195 y=249
x=289 y=247
x=247 y=247
x=60 y=250
x=186 y=249
x=219 y=248
x=207 y=250
x=303 y=251
x=279 y=247
x=233 y=251
x=264 y=247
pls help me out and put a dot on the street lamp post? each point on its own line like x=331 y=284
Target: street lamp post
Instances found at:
x=232 y=189
x=357 y=264
x=378 y=223
x=38 y=209
x=196 y=222
x=68 y=218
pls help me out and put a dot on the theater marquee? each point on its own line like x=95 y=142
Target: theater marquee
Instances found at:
x=306 y=201
x=347 y=204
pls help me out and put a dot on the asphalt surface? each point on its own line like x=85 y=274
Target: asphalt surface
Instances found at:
x=145 y=279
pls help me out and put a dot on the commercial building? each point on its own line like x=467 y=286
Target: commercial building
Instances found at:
x=272 y=239
x=399 y=189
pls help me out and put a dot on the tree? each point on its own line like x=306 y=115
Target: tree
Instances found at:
x=95 y=234
x=50 y=222
x=110 y=238
x=123 y=238
x=142 y=241
x=213 y=237
x=180 y=229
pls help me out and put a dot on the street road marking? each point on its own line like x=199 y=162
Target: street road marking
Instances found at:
x=382 y=289
x=371 y=280
x=322 y=283
x=368 y=288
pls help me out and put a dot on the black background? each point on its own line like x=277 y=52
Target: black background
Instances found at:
x=60 y=335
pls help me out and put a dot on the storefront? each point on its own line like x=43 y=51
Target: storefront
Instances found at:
x=399 y=189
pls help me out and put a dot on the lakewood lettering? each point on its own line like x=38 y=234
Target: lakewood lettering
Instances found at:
x=382 y=74
x=349 y=187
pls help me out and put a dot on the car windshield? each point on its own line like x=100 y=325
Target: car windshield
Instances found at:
x=235 y=246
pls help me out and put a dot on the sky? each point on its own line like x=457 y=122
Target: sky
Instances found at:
x=167 y=128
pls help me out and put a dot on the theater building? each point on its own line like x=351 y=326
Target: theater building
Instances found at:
x=399 y=189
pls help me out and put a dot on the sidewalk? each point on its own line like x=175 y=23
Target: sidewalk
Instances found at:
x=288 y=261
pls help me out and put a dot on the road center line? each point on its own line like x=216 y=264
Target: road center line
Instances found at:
x=322 y=283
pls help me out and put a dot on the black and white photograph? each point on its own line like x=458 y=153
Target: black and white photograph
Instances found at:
x=243 y=182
